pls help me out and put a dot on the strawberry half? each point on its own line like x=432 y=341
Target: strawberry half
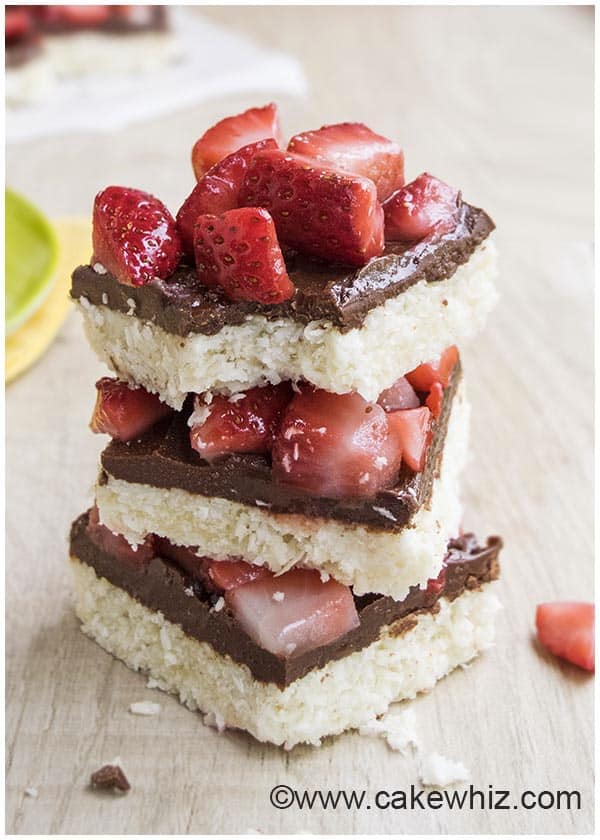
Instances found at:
x=317 y=210
x=412 y=429
x=398 y=396
x=232 y=133
x=244 y=425
x=116 y=545
x=239 y=253
x=420 y=208
x=229 y=574
x=125 y=413
x=134 y=236
x=567 y=630
x=352 y=147
x=217 y=191
x=335 y=445
x=440 y=370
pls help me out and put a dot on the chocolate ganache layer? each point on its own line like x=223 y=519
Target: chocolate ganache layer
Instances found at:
x=164 y=458
x=161 y=585
x=181 y=304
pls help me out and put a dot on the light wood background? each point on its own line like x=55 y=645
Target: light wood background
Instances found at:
x=499 y=102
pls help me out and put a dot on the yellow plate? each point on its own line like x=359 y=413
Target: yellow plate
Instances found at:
x=31 y=339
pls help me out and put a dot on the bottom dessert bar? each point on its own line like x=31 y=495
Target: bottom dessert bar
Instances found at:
x=159 y=620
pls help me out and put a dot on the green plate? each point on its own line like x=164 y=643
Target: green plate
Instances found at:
x=31 y=259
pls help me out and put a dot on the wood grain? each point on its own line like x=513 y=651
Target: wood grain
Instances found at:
x=497 y=100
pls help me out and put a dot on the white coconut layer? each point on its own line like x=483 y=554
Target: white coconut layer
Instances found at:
x=405 y=331
x=369 y=560
x=345 y=694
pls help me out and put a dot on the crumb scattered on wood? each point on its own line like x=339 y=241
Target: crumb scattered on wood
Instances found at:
x=110 y=777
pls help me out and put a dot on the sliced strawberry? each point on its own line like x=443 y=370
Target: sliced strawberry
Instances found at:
x=241 y=425
x=318 y=211
x=134 y=236
x=295 y=612
x=435 y=586
x=84 y=16
x=232 y=133
x=440 y=370
x=400 y=395
x=218 y=190
x=125 y=413
x=229 y=574
x=335 y=445
x=239 y=253
x=419 y=208
x=352 y=147
x=435 y=399
x=567 y=630
x=412 y=427
x=116 y=545
x=17 y=23
x=187 y=558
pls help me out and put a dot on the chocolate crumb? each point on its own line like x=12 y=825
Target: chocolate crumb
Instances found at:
x=110 y=777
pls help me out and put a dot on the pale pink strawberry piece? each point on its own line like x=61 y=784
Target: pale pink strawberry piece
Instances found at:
x=230 y=574
x=335 y=445
x=295 y=612
x=424 y=206
x=399 y=395
x=317 y=210
x=187 y=558
x=435 y=586
x=231 y=133
x=435 y=399
x=125 y=413
x=567 y=630
x=439 y=370
x=352 y=147
x=412 y=429
x=134 y=236
x=116 y=545
x=248 y=424
x=218 y=190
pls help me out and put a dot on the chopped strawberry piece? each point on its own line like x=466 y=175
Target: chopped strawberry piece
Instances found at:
x=17 y=23
x=412 y=427
x=400 y=395
x=241 y=425
x=217 y=190
x=229 y=574
x=186 y=558
x=436 y=585
x=134 y=236
x=435 y=399
x=424 y=206
x=232 y=133
x=295 y=612
x=116 y=545
x=567 y=630
x=125 y=413
x=84 y=16
x=317 y=210
x=352 y=147
x=440 y=370
x=335 y=445
x=239 y=253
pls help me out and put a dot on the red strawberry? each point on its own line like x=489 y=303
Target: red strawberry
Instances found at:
x=435 y=399
x=412 y=430
x=419 y=208
x=218 y=190
x=134 y=236
x=229 y=574
x=239 y=253
x=125 y=413
x=567 y=630
x=435 y=586
x=17 y=23
x=352 y=147
x=244 y=425
x=319 y=211
x=335 y=445
x=84 y=16
x=400 y=395
x=232 y=133
x=117 y=545
x=440 y=370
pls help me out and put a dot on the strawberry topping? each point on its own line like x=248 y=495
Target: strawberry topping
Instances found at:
x=134 y=236
x=318 y=211
x=17 y=23
x=440 y=370
x=117 y=545
x=435 y=398
x=239 y=253
x=412 y=429
x=352 y=147
x=426 y=205
x=400 y=395
x=230 y=574
x=217 y=190
x=335 y=445
x=567 y=630
x=232 y=133
x=248 y=424
x=125 y=413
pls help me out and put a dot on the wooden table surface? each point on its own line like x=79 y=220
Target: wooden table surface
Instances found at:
x=499 y=102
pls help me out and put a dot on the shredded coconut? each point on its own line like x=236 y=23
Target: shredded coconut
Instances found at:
x=220 y=604
x=215 y=721
x=145 y=707
x=237 y=397
x=99 y=268
x=104 y=298
x=384 y=512
x=278 y=596
x=131 y=305
x=397 y=727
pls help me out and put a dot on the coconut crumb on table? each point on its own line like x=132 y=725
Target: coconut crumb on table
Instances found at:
x=145 y=707
x=397 y=727
x=438 y=771
x=32 y=792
